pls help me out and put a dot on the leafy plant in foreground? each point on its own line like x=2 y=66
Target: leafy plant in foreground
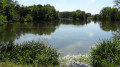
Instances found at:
x=106 y=54
x=29 y=53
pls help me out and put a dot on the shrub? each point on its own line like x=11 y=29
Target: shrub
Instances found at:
x=29 y=18
x=22 y=19
x=2 y=19
x=106 y=54
x=29 y=53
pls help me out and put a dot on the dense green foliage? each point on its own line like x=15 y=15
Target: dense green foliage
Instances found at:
x=38 y=12
x=3 y=5
x=28 y=18
x=29 y=53
x=108 y=13
x=66 y=14
x=106 y=54
x=12 y=11
x=2 y=19
x=76 y=15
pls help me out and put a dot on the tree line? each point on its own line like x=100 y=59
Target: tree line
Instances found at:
x=11 y=11
x=108 y=13
x=75 y=15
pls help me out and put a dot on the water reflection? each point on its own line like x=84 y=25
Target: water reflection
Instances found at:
x=12 y=31
x=77 y=23
x=70 y=37
x=113 y=26
x=109 y=25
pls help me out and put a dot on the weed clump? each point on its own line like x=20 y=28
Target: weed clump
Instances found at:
x=106 y=54
x=29 y=53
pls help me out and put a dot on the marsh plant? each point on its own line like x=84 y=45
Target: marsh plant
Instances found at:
x=30 y=53
x=106 y=54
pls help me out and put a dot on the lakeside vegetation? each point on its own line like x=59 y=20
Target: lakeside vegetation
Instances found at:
x=11 y=11
x=76 y=15
x=32 y=54
x=105 y=54
x=108 y=13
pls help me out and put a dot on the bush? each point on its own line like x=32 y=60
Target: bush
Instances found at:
x=22 y=19
x=106 y=54
x=2 y=19
x=30 y=53
x=29 y=18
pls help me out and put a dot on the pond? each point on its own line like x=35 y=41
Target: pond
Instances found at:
x=69 y=37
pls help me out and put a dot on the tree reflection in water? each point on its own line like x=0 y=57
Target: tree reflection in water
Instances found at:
x=12 y=31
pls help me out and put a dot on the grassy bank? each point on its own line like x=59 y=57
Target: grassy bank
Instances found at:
x=33 y=54
x=106 y=54
x=12 y=64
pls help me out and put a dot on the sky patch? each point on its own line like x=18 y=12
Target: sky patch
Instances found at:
x=91 y=1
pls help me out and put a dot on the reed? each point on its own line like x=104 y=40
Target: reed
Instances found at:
x=29 y=53
x=106 y=54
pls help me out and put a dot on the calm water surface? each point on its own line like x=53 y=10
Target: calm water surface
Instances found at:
x=69 y=37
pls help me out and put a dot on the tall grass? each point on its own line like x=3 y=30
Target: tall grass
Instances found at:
x=106 y=54
x=12 y=64
x=29 y=53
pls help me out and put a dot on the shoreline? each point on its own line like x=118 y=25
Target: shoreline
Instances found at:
x=75 y=61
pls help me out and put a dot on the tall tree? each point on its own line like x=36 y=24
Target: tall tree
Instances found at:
x=117 y=3
x=3 y=4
